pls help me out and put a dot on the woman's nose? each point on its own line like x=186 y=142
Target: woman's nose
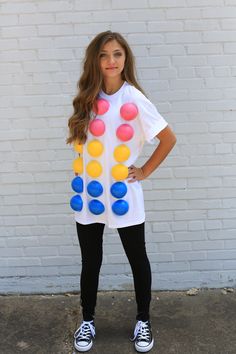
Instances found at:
x=111 y=59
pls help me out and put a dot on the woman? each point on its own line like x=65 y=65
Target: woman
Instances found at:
x=112 y=119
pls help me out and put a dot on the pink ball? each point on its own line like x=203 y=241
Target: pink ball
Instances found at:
x=128 y=111
x=102 y=106
x=97 y=127
x=124 y=132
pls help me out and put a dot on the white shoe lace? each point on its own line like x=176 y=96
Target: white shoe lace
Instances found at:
x=85 y=330
x=141 y=331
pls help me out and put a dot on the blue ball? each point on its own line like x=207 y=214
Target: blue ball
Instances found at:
x=94 y=188
x=120 y=207
x=118 y=189
x=77 y=184
x=76 y=203
x=96 y=207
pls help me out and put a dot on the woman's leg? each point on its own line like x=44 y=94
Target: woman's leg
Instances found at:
x=133 y=240
x=90 y=239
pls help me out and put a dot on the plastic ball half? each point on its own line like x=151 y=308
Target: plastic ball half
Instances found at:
x=97 y=127
x=118 y=189
x=121 y=153
x=78 y=165
x=128 y=111
x=95 y=148
x=94 y=168
x=94 y=188
x=77 y=184
x=102 y=106
x=78 y=148
x=120 y=207
x=76 y=203
x=119 y=172
x=124 y=132
x=96 y=207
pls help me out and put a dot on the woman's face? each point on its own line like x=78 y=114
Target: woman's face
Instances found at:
x=112 y=59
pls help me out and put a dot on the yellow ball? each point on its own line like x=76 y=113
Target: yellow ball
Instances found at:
x=119 y=172
x=95 y=148
x=78 y=148
x=121 y=153
x=78 y=165
x=94 y=168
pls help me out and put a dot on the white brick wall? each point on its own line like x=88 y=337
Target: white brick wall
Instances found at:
x=185 y=52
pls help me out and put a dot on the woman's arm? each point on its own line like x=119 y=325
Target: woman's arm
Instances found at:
x=167 y=141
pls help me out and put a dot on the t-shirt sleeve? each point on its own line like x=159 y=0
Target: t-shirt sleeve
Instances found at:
x=150 y=119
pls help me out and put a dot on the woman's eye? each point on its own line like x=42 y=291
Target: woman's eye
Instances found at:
x=102 y=55
x=118 y=54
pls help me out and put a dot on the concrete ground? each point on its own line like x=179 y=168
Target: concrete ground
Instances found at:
x=44 y=324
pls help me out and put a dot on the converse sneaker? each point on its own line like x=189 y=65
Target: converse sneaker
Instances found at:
x=142 y=338
x=84 y=336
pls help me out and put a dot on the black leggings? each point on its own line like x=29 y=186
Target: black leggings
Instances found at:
x=133 y=239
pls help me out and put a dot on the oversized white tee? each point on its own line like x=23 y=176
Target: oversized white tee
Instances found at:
x=107 y=154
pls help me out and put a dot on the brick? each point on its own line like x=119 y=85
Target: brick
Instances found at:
x=204 y=48
x=221 y=234
x=183 y=37
x=173 y=266
x=196 y=225
x=23 y=262
x=8 y=8
x=40 y=251
x=160 y=257
x=58 y=261
x=179 y=226
x=18 y=31
x=167 y=3
x=219 y=12
x=205 y=265
x=32 y=19
x=41 y=271
x=229 y=264
x=175 y=246
x=213 y=224
x=228 y=24
x=189 y=256
x=190 y=235
x=123 y=4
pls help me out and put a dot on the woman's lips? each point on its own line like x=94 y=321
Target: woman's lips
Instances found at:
x=111 y=68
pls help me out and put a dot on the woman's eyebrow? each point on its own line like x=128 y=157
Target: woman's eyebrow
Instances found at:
x=115 y=50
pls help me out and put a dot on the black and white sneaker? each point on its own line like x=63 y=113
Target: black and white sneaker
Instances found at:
x=143 y=340
x=84 y=336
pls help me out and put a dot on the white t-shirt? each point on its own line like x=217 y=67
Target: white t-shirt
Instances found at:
x=116 y=202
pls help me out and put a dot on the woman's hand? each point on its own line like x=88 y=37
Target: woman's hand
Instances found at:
x=135 y=173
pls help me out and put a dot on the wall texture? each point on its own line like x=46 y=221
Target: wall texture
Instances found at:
x=185 y=53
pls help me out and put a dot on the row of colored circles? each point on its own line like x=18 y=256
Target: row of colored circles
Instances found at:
x=94 y=169
x=95 y=149
x=124 y=132
x=119 y=207
x=95 y=189
x=95 y=206
x=128 y=111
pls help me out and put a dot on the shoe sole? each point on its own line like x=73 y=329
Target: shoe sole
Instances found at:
x=144 y=349
x=83 y=349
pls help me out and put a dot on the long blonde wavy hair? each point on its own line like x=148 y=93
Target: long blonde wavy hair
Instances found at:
x=90 y=83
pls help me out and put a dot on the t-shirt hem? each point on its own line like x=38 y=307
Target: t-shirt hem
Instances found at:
x=114 y=226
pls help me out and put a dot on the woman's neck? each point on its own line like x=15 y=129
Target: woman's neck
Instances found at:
x=111 y=86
